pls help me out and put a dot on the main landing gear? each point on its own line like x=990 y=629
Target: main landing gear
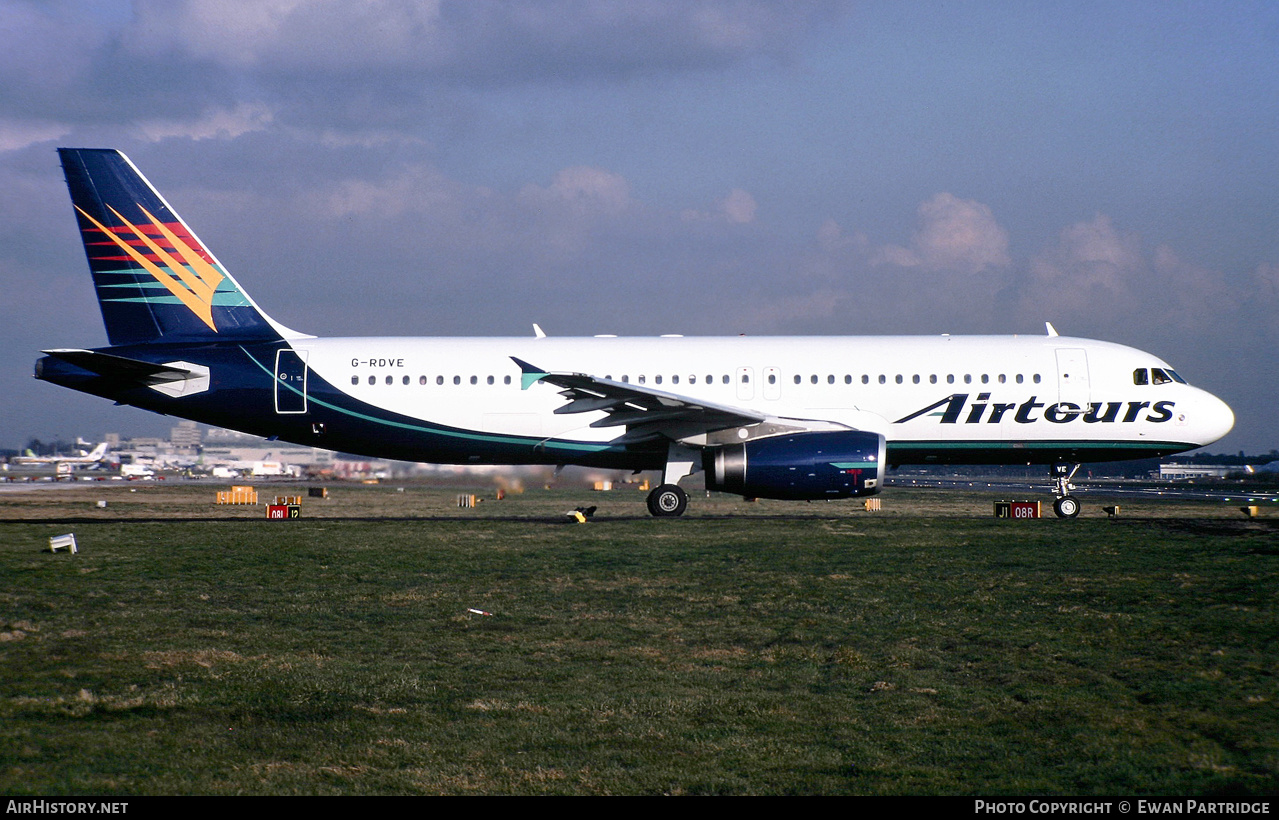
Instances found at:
x=1065 y=505
x=667 y=501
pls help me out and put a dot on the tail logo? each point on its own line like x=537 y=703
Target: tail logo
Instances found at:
x=183 y=271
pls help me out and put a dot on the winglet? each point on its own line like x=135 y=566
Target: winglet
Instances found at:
x=538 y=332
x=1052 y=331
x=529 y=375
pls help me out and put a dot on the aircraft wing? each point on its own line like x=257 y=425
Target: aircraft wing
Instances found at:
x=644 y=412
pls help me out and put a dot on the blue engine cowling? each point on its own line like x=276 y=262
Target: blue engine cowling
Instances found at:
x=799 y=466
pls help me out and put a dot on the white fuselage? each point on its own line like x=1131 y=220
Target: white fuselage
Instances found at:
x=972 y=388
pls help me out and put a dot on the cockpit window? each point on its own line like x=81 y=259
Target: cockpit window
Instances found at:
x=1156 y=375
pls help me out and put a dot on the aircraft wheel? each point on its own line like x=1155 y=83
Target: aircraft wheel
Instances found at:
x=1066 y=507
x=667 y=501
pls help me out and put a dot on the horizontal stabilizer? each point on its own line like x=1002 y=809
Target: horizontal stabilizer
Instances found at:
x=119 y=367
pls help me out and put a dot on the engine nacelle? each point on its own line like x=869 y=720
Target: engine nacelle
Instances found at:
x=799 y=466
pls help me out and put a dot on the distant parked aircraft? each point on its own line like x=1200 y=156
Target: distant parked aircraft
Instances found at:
x=84 y=458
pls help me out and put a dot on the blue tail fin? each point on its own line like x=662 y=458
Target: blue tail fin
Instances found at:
x=154 y=278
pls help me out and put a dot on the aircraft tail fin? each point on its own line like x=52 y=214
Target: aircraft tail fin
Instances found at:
x=155 y=280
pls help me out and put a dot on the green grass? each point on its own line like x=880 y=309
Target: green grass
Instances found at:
x=927 y=649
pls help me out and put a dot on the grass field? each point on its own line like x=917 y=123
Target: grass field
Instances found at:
x=763 y=648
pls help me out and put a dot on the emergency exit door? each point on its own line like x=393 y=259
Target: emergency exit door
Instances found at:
x=290 y=381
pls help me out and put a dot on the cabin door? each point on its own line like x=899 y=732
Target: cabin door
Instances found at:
x=1072 y=376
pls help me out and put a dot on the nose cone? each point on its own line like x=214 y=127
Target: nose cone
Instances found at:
x=1215 y=419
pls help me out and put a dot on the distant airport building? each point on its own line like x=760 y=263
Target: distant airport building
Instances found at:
x=185 y=436
x=1181 y=472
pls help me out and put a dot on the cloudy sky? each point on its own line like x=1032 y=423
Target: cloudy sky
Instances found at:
x=369 y=167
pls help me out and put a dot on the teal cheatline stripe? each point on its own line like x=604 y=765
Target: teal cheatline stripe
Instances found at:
x=921 y=452
x=1033 y=445
x=853 y=465
x=547 y=443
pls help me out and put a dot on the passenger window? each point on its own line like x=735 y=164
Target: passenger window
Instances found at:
x=439 y=380
x=865 y=379
x=968 y=379
x=355 y=380
x=657 y=380
x=899 y=378
x=932 y=378
x=848 y=379
x=674 y=379
x=405 y=380
x=725 y=379
x=772 y=379
x=1019 y=378
x=813 y=378
x=389 y=379
x=1036 y=378
x=457 y=379
x=490 y=379
x=506 y=380
x=915 y=378
x=830 y=379
x=421 y=379
x=883 y=379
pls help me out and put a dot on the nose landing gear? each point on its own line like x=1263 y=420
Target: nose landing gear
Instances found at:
x=1065 y=505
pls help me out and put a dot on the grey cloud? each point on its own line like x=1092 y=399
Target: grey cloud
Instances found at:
x=1092 y=274
x=203 y=68
x=472 y=40
x=956 y=235
x=1095 y=276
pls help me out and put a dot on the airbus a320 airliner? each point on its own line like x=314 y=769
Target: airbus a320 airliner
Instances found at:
x=774 y=417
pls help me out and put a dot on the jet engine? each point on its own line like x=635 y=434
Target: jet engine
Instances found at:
x=799 y=466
